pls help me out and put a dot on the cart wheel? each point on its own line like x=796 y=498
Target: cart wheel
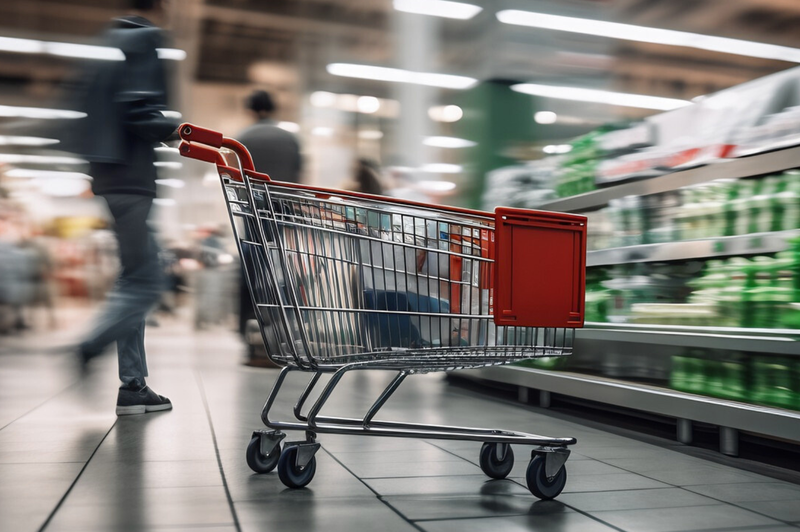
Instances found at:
x=541 y=486
x=491 y=465
x=290 y=474
x=256 y=459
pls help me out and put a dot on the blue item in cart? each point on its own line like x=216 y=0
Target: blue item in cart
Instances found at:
x=397 y=330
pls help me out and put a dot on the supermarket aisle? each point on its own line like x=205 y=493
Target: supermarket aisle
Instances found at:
x=67 y=461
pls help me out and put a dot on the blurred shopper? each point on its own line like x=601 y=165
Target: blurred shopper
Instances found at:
x=124 y=101
x=275 y=151
x=366 y=178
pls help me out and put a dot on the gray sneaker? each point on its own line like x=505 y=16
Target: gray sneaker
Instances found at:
x=140 y=401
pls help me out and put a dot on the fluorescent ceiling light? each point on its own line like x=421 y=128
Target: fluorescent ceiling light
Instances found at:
x=62 y=187
x=368 y=104
x=545 y=117
x=445 y=113
x=322 y=131
x=322 y=99
x=601 y=96
x=26 y=173
x=171 y=183
x=438 y=8
x=399 y=75
x=10 y=140
x=171 y=114
x=82 y=51
x=436 y=186
x=168 y=149
x=10 y=111
x=448 y=142
x=22 y=46
x=630 y=32
x=171 y=54
x=292 y=127
x=165 y=202
x=15 y=158
x=441 y=168
x=557 y=148
x=174 y=165
x=370 y=134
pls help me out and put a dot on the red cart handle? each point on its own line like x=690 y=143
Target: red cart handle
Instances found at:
x=199 y=143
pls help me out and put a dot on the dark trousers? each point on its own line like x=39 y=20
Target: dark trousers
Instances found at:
x=138 y=288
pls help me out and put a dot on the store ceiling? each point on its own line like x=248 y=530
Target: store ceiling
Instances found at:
x=288 y=42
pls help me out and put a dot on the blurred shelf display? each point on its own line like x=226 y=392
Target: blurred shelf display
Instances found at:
x=731 y=246
x=757 y=165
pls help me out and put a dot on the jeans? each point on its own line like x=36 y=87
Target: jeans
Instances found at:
x=138 y=289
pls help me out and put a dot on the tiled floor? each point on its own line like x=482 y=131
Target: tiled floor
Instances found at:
x=68 y=464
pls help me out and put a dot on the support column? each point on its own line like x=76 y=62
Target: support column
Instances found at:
x=522 y=394
x=729 y=441
x=544 y=399
x=685 y=431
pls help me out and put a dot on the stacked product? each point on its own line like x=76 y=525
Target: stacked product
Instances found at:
x=525 y=186
x=577 y=173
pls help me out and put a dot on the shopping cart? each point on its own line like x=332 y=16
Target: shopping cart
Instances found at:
x=345 y=282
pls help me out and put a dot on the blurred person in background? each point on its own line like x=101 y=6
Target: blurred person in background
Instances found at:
x=366 y=178
x=275 y=151
x=124 y=101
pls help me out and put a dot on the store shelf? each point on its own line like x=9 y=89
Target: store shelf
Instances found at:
x=772 y=422
x=707 y=248
x=768 y=341
x=765 y=163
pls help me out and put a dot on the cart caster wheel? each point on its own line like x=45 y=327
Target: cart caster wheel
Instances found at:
x=256 y=459
x=541 y=486
x=290 y=474
x=493 y=466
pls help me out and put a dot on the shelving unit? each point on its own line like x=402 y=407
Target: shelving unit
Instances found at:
x=707 y=248
x=765 y=163
x=651 y=345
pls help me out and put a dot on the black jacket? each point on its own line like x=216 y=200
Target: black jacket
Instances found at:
x=123 y=101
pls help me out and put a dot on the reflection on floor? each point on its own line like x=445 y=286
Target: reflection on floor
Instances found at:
x=68 y=463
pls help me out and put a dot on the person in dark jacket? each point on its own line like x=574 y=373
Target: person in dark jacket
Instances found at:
x=275 y=151
x=124 y=100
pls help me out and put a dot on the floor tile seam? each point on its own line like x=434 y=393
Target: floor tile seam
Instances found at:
x=63 y=390
x=726 y=503
x=377 y=495
x=453 y=454
x=199 y=382
x=75 y=481
x=736 y=528
x=780 y=522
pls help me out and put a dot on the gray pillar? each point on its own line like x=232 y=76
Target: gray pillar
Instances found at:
x=729 y=441
x=544 y=399
x=522 y=394
x=685 y=431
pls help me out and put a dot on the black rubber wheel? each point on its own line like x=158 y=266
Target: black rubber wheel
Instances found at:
x=257 y=461
x=490 y=464
x=541 y=486
x=290 y=474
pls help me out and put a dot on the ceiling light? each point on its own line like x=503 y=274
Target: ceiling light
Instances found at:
x=292 y=127
x=165 y=202
x=441 y=168
x=436 y=186
x=173 y=165
x=22 y=46
x=445 y=113
x=10 y=111
x=601 y=96
x=630 y=32
x=171 y=183
x=9 y=140
x=322 y=131
x=26 y=173
x=370 y=134
x=82 y=51
x=167 y=149
x=545 y=117
x=62 y=187
x=15 y=158
x=399 y=75
x=171 y=114
x=557 y=148
x=448 y=142
x=323 y=99
x=368 y=104
x=171 y=54
x=438 y=8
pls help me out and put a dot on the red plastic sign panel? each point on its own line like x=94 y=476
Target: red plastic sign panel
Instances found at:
x=540 y=268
